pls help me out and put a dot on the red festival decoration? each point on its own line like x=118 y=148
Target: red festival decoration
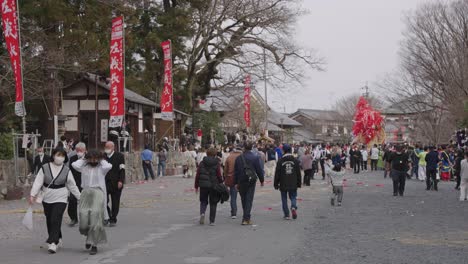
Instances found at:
x=167 y=102
x=247 y=101
x=368 y=123
x=11 y=32
x=117 y=80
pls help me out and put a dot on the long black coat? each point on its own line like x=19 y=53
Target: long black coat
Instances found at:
x=38 y=164
x=117 y=173
x=76 y=174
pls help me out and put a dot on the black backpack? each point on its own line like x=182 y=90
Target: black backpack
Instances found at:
x=249 y=172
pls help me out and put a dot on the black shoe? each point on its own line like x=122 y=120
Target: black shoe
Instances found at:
x=428 y=189
x=73 y=223
x=112 y=224
x=106 y=222
x=395 y=194
x=401 y=194
x=88 y=246
x=93 y=250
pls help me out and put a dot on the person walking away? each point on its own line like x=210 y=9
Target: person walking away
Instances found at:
x=464 y=178
x=374 y=156
x=399 y=166
x=432 y=164
x=80 y=151
x=364 y=155
x=336 y=180
x=386 y=158
x=457 y=168
x=246 y=173
x=306 y=163
x=93 y=212
x=40 y=159
x=270 y=166
x=56 y=181
x=413 y=153
x=229 y=170
x=208 y=175
x=422 y=164
x=162 y=158
x=115 y=180
x=147 y=162
x=288 y=180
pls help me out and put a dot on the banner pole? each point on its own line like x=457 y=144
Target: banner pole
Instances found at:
x=21 y=68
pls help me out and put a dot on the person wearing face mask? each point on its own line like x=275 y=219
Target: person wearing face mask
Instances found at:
x=56 y=182
x=40 y=160
x=79 y=153
x=115 y=180
x=92 y=209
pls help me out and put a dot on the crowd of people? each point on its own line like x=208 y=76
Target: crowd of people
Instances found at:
x=95 y=179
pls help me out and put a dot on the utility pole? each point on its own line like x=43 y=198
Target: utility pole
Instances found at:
x=366 y=90
x=266 y=93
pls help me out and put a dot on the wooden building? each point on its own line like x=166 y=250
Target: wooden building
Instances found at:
x=78 y=113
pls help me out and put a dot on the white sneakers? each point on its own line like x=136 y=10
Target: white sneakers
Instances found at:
x=52 y=248
x=233 y=217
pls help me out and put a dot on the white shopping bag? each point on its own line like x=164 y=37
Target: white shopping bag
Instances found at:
x=28 y=219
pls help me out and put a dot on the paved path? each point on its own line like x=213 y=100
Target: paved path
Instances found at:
x=158 y=224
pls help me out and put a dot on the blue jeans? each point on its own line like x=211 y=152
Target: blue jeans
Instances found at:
x=247 y=195
x=161 y=168
x=284 y=200
x=233 y=194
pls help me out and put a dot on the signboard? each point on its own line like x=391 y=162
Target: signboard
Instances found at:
x=104 y=130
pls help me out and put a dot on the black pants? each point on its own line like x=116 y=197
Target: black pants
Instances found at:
x=322 y=166
x=206 y=195
x=431 y=178
x=457 y=175
x=54 y=215
x=72 y=209
x=373 y=164
x=113 y=211
x=399 y=180
x=364 y=165
x=356 y=166
x=148 y=168
x=308 y=174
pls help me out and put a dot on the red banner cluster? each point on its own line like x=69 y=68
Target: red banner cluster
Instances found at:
x=247 y=101
x=368 y=123
x=117 y=79
x=167 y=101
x=12 y=39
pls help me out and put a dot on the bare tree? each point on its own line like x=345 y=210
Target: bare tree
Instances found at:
x=345 y=107
x=231 y=37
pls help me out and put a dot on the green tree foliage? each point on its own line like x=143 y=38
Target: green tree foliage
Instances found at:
x=6 y=146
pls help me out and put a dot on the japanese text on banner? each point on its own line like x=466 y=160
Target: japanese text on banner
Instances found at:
x=12 y=39
x=117 y=77
x=167 y=104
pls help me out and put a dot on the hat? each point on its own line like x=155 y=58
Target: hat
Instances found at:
x=286 y=148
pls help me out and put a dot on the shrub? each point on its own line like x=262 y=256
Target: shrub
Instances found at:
x=6 y=146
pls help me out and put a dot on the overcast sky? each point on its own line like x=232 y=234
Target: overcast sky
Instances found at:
x=359 y=40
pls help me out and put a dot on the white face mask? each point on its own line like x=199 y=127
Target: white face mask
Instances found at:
x=40 y=153
x=80 y=154
x=59 y=160
x=108 y=151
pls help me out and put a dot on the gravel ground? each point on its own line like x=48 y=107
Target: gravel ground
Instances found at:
x=375 y=227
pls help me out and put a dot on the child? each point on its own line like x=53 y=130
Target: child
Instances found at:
x=335 y=178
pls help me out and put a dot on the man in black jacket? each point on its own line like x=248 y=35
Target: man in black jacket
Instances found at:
x=115 y=180
x=287 y=180
x=40 y=160
x=72 y=210
x=399 y=167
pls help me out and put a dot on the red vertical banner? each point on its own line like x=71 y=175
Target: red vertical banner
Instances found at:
x=117 y=74
x=247 y=101
x=11 y=33
x=167 y=100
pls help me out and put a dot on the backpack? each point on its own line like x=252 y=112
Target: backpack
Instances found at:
x=249 y=172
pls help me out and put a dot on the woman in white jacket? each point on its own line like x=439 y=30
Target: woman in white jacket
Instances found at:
x=92 y=208
x=55 y=182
